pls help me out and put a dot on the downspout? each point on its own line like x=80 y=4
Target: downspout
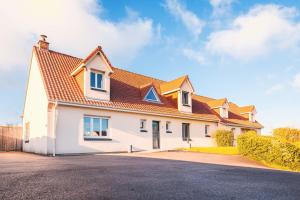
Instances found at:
x=54 y=128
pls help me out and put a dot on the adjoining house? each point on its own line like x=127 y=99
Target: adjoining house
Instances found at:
x=76 y=105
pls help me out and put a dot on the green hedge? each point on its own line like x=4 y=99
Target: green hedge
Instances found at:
x=289 y=134
x=224 y=138
x=270 y=150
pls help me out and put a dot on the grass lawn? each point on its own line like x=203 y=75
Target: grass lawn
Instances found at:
x=214 y=150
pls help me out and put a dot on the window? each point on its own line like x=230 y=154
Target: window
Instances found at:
x=232 y=130
x=152 y=96
x=143 y=125
x=168 y=127
x=185 y=132
x=27 y=132
x=185 y=98
x=96 y=80
x=95 y=127
x=206 y=131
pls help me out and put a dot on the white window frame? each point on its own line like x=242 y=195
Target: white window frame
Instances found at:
x=182 y=98
x=155 y=94
x=143 y=124
x=96 y=78
x=206 y=131
x=91 y=126
x=168 y=127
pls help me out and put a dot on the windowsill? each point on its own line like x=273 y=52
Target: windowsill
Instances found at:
x=97 y=139
x=144 y=131
x=98 y=89
x=168 y=131
x=207 y=136
x=186 y=105
x=26 y=141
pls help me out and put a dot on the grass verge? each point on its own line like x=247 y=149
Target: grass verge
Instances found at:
x=213 y=150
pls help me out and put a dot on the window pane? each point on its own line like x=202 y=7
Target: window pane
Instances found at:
x=93 y=79
x=151 y=96
x=99 y=80
x=96 y=127
x=104 y=127
x=87 y=127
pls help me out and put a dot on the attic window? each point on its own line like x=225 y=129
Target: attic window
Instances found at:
x=96 y=80
x=185 y=98
x=152 y=96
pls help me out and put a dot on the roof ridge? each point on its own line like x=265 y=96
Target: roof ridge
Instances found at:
x=139 y=74
x=64 y=54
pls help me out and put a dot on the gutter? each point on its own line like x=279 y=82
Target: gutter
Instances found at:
x=134 y=111
x=238 y=125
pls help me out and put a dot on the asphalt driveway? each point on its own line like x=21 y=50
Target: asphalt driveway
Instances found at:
x=27 y=176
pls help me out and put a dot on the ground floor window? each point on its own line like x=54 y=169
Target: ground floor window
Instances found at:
x=95 y=127
x=206 y=131
x=185 y=131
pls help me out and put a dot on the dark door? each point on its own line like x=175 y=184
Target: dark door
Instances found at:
x=155 y=134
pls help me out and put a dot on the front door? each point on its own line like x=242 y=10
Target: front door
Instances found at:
x=155 y=134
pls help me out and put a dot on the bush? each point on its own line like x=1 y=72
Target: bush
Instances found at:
x=270 y=150
x=224 y=138
x=289 y=134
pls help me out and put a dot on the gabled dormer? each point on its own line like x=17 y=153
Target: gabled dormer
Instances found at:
x=180 y=89
x=93 y=75
x=220 y=106
x=248 y=112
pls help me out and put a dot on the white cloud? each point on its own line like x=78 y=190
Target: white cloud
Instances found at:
x=190 y=20
x=262 y=29
x=275 y=88
x=221 y=7
x=296 y=82
x=72 y=26
x=194 y=55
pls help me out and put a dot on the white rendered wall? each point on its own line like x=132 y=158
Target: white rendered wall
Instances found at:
x=35 y=112
x=124 y=130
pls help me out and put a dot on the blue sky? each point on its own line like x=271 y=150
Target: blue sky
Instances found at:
x=247 y=51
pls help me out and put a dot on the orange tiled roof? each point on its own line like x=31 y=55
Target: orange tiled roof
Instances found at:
x=173 y=85
x=217 y=102
x=127 y=89
x=247 y=109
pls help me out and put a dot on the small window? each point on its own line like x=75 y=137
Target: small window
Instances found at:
x=152 y=96
x=95 y=127
x=185 y=132
x=185 y=98
x=168 y=127
x=232 y=130
x=27 y=132
x=96 y=80
x=206 y=131
x=143 y=125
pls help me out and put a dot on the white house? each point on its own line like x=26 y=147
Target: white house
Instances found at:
x=76 y=105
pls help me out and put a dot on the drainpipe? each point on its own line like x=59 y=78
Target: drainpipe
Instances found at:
x=54 y=128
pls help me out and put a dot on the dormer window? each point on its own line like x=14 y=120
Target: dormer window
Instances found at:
x=224 y=112
x=96 y=80
x=152 y=96
x=252 y=117
x=185 y=98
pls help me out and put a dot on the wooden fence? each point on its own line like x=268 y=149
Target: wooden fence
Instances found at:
x=10 y=138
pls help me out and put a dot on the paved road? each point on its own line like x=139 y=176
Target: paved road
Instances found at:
x=27 y=176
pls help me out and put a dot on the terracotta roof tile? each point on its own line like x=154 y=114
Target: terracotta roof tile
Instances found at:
x=127 y=89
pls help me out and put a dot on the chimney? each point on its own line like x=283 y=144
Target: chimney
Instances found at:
x=43 y=44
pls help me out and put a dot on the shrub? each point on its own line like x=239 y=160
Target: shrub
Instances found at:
x=289 y=134
x=224 y=138
x=270 y=150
